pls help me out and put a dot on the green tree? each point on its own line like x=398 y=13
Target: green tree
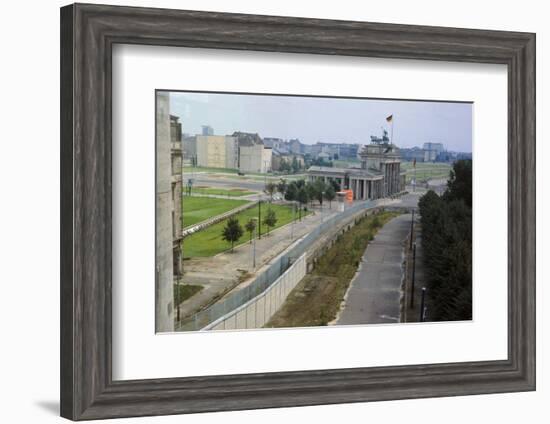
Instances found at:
x=282 y=186
x=459 y=185
x=330 y=194
x=318 y=191
x=232 y=231
x=270 y=189
x=270 y=219
x=302 y=198
x=295 y=165
x=447 y=245
x=311 y=192
x=250 y=226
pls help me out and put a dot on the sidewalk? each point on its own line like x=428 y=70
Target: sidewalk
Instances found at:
x=374 y=295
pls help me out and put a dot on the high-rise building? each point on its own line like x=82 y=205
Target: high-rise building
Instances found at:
x=207 y=130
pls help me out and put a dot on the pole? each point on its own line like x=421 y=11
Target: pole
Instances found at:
x=422 y=303
x=412 y=231
x=178 y=298
x=413 y=275
x=254 y=252
x=293 y=221
x=259 y=218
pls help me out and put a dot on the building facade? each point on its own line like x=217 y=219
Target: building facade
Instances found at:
x=164 y=261
x=217 y=151
x=253 y=154
x=176 y=167
x=380 y=174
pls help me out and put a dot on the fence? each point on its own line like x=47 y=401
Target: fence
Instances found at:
x=273 y=271
x=258 y=311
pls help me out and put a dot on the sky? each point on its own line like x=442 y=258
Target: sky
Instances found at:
x=332 y=120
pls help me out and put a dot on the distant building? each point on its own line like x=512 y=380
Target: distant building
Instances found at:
x=430 y=152
x=380 y=174
x=217 y=151
x=253 y=155
x=278 y=158
x=295 y=146
x=207 y=130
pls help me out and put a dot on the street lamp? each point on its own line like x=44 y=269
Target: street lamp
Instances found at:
x=254 y=246
x=259 y=216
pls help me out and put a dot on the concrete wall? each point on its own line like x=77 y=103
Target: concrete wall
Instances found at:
x=259 y=310
x=164 y=289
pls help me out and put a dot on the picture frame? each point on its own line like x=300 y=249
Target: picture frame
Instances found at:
x=88 y=33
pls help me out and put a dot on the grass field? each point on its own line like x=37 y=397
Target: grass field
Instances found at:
x=316 y=299
x=185 y=292
x=208 y=242
x=232 y=192
x=233 y=174
x=426 y=170
x=198 y=209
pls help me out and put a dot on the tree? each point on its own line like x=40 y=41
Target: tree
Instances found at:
x=318 y=191
x=250 y=226
x=270 y=189
x=302 y=198
x=335 y=185
x=311 y=192
x=459 y=185
x=282 y=186
x=232 y=231
x=270 y=219
x=291 y=192
x=295 y=165
x=447 y=245
x=330 y=194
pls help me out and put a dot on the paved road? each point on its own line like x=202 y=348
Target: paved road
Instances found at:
x=375 y=292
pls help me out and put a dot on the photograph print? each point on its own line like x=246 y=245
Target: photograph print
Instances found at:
x=288 y=211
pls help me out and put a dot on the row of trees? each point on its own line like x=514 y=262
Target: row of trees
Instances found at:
x=290 y=166
x=302 y=192
x=447 y=244
x=233 y=229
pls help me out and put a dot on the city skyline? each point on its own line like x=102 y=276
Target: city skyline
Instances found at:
x=327 y=119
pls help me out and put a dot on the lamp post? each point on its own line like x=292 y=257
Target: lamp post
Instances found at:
x=254 y=247
x=259 y=216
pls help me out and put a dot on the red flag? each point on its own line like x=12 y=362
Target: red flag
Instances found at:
x=389 y=118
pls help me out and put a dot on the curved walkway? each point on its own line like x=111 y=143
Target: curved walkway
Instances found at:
x=374 y=295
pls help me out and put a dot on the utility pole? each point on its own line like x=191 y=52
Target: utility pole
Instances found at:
x=412 y=231
x=259 y=217
x=413 y=275
x=254 y=249
x=422 y=303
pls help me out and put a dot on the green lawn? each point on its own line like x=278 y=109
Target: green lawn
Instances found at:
x=189 y=169
x=198 y=209
x=232 y=192
x=208 y=242
x=426 y=170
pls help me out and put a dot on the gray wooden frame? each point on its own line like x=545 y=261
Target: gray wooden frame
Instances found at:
x=88 y=33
